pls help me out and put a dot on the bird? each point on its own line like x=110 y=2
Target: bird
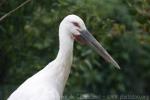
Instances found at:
x=49 y=83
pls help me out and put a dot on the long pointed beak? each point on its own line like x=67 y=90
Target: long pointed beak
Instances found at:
x=92 y=42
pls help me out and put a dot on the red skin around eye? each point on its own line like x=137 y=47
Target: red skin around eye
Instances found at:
x=76 y=24
x=79 y=39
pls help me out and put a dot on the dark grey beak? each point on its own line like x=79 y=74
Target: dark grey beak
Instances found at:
x=92 y=42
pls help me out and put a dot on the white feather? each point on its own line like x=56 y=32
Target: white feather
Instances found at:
x=49 y=83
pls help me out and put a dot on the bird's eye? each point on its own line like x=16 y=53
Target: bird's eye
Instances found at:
x=76 y=24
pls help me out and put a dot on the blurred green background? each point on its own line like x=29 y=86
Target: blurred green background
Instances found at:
x=29 y=41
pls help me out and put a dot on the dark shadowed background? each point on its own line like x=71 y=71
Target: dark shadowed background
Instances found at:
x=29 y=41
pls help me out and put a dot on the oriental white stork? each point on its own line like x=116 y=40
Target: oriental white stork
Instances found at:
x=49 y=83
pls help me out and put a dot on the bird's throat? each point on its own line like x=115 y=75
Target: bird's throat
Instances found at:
x=64 y=61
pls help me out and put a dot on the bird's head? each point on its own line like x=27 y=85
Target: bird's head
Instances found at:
x=77 y=31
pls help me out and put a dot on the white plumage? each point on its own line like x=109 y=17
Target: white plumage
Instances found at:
x=49 y=83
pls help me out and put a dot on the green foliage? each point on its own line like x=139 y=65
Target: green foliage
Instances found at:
x=29 y=40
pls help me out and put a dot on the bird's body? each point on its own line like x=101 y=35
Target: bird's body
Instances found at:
x=49 y=83
x=44 y=85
